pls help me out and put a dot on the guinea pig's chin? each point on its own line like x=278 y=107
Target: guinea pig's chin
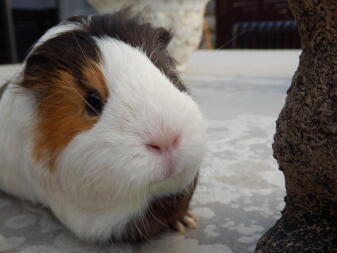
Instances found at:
x=173 y=183
x=167 y=172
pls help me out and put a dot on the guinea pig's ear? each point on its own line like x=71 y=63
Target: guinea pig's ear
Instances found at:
x=35 y=73
x=76 y=18
x=164 y=36
x=79 y=19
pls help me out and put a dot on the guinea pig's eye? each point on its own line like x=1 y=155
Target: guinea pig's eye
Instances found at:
x=94 y=104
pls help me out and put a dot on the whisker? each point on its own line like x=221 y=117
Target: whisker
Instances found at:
x=82 y=51
x=232 y=39
x=153 y=51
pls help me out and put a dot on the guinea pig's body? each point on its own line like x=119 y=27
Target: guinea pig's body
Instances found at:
x=99 y=128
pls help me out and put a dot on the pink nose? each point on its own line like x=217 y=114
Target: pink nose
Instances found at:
x=164 y=145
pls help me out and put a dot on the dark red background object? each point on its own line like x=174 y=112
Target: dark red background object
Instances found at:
x=255 y=24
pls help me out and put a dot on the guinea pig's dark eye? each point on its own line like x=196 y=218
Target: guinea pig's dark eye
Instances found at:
x=94 y=104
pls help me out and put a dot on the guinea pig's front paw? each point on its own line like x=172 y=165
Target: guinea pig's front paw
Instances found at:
x=189 y=220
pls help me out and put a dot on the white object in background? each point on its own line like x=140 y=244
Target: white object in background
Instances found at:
x=183 y=17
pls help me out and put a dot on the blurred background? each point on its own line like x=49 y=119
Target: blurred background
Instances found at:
x=227 y=24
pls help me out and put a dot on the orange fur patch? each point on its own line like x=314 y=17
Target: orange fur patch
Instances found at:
x=94 y=77
x=61 y=113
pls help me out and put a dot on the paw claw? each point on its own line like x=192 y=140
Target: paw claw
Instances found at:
x=188 y=220
x=180 y=227
x=192 y=215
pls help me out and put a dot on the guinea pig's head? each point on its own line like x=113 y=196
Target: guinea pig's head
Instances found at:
x=113 y=121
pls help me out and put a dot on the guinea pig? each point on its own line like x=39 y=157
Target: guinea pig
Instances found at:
x=99 y=127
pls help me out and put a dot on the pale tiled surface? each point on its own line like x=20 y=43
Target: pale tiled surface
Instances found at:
x=240 y=193
x=247 y=63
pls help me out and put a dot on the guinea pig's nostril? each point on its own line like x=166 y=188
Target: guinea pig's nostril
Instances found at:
x=163 y=146
x=176 y=142
x=153 y=147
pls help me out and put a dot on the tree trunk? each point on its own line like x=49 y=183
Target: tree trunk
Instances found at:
x=305 y=143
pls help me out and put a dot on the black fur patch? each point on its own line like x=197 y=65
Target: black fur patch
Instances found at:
x=70 y=52
x=160 y=215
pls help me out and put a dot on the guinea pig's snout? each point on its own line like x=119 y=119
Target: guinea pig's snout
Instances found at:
x=164 y=147
x=164 y=144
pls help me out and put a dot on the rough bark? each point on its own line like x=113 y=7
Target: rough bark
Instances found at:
x=305 y=143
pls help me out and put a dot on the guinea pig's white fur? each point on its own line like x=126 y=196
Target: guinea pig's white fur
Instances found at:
x=105 y=175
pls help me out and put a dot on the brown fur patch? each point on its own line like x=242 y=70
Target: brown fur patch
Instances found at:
x=94 y=78
x=61 y=112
